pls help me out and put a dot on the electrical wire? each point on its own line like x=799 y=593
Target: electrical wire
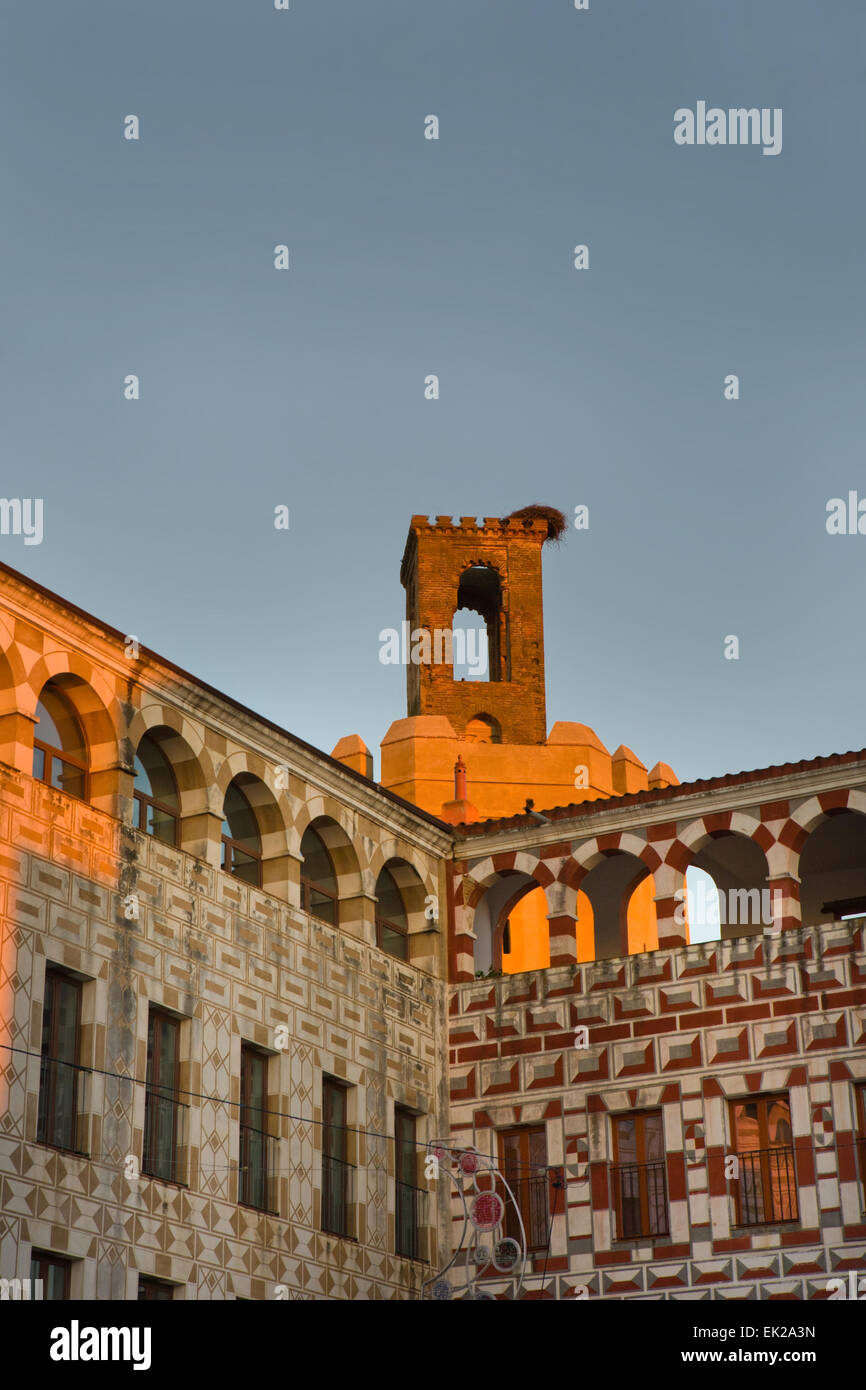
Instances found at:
x=359 y=1130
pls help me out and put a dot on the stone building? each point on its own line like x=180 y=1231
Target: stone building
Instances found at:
x=222 y=989
x=687 y=1122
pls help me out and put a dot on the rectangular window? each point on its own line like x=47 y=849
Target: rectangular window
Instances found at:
x=164 y=1115
x=54 y=1272
x=154 y=819
x=766 y=1190
x=51 y=768
x=322 y=905
x=337 y=1172
x=60 y=1079
x=154 y=1291
x=409 y=1196
x=240 y=863
x=256 y=1143
x=392 y=939
x=861 y=1134
x=639 y=1176
x=523 y=1159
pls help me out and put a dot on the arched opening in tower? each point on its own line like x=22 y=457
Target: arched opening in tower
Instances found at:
x=476 y=626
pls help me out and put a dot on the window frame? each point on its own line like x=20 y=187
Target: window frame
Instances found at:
x=50 y=752
x=152 y=1290
x=141 y=801
x=763 y=1100
x=154 y=1091
x=409 y=1198
x=642 y=1164
x=42 y=1259
x=46 y=1121
x=860 y=1135
x=229 y=848
x=309 y=886
x=527 y=1187
x=339 y=1201
x=383 y=923
x=230 y=845
x=251 y=1054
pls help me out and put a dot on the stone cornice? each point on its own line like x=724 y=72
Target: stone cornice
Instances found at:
x=159 y=679
x=742 y=796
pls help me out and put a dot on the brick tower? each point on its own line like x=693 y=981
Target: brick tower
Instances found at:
x=494 y=570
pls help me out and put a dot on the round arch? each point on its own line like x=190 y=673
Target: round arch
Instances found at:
x=594 y=851
x=392 y=848
x=341 y=851
x=16 y=731
x=498 y=899
x=94 y=694
x=14 y=670
x=727 y=878
x=69 y=676
x=183 y=744
x=832 y=867
x=483 y=728
x=400 y=907
x=251 y=772
x=619 y=888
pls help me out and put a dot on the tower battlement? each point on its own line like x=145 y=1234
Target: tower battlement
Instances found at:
x=488 y=526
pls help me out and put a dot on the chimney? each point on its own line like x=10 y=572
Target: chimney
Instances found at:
x=459 y=779
x=459 y=811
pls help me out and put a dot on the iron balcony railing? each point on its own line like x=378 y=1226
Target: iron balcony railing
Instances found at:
x=410 y=1212
x=531 y=1193
x=258 y=1166
x=338 y=1186
x=767 y=1187
x=165 y=1135
x=640 y=1198
x=62 y=1105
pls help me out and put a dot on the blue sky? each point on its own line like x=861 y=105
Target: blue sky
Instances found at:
x=601 y=387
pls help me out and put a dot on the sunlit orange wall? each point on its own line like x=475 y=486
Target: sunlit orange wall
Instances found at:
x=643 y=931
x=530 y=948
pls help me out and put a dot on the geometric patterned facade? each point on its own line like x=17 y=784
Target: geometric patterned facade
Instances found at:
x=515 y=1063
x=143 y=924
x=683 y=1031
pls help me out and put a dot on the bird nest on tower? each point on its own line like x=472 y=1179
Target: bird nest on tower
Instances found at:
x=557 y=524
